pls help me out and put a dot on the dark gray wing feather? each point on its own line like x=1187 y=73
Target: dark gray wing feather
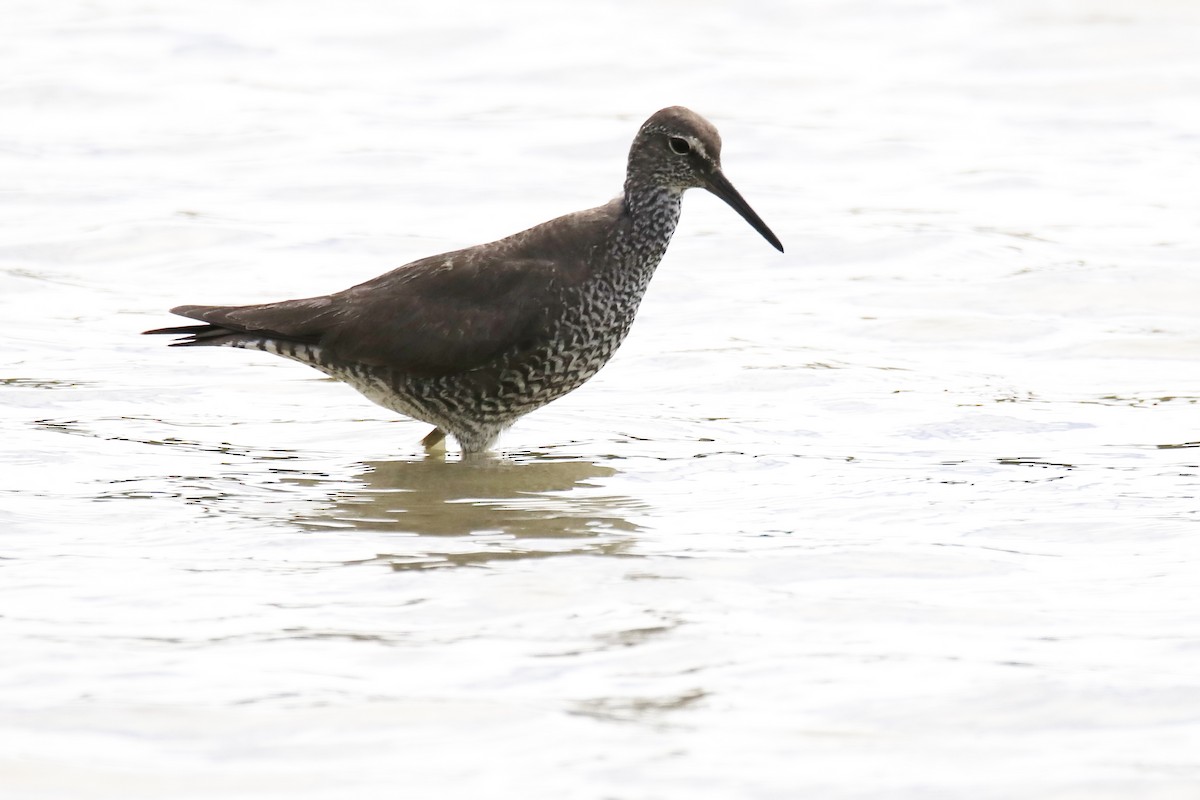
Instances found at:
x=436 y=316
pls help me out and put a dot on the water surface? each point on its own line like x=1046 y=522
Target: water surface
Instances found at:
x=908 y=512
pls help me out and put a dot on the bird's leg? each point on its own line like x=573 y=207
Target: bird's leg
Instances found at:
x=435 y=440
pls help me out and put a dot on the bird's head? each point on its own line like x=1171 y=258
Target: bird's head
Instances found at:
x=678 y=149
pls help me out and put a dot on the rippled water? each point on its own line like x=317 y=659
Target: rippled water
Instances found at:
x=910 y=511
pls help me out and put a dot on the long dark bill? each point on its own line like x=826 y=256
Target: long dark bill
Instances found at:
x=719 y=185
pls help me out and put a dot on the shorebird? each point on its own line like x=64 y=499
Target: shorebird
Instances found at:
x=471 y=340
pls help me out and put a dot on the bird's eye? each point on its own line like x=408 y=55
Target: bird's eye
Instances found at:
x=679 y=145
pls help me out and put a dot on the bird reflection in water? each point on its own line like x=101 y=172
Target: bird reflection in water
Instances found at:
x=473 y=512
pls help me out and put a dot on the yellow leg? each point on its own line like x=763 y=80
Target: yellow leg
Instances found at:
x=435 y=440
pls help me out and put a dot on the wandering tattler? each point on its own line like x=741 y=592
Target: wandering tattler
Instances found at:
x=474 y=339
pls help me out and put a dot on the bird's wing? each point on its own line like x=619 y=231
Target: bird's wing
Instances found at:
x=437 y=316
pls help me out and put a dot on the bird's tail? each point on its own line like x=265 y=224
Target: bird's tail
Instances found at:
x=199 y=335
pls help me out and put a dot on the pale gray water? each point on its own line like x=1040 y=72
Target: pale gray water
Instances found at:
x=909 y=512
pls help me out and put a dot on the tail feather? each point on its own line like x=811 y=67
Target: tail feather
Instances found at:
x=225 y=325
x=196 y=335
x=182 y=330
x=290 y=321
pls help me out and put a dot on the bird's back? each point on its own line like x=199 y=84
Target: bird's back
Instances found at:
x=437 y=316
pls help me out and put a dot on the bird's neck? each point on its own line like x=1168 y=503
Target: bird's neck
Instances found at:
x=609 y=300
x=657 y=205
x=653 y=213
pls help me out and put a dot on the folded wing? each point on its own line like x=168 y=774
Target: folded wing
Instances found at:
x=437 y=316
